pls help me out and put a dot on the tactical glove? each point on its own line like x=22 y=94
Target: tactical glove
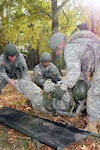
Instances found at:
x=48 y=102
x=58 y=93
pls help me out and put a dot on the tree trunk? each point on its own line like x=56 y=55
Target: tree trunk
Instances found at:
x=54 y=16
x=55 y=58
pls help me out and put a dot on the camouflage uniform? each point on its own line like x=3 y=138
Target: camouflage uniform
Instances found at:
x=41 y=74
x=82 y=55
x=16 y=70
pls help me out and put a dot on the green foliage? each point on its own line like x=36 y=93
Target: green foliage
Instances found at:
x=3 y=40
x=25 y=21
x=71 y=14
x=30 y=17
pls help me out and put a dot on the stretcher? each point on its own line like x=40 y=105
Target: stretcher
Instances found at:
x=53 y=134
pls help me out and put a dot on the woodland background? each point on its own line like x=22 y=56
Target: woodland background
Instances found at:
x=29 y=24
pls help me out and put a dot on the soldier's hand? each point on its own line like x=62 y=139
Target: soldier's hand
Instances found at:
x=12 y=82
x=58 y=93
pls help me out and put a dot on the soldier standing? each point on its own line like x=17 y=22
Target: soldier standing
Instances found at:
x=82 y=56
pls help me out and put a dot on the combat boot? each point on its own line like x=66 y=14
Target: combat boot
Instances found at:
x=91 y=127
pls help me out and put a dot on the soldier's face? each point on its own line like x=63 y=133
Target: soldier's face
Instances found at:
x=12 y=58
x=45 y=63
x=59 y=49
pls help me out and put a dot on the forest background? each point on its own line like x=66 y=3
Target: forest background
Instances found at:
x=29 y=24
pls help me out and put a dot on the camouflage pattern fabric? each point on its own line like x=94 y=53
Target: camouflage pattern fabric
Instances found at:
x=16 y=70
x=82 y=55
x=38 y=100
x=83 y=34
x=33 y=93
x=93 y=100
x=41 y=74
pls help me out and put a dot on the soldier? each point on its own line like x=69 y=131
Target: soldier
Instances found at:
x=12 y=66
x=46 y=70
x=82 y=56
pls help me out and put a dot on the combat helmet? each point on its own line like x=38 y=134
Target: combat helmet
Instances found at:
x=45 y=56
x=80 y=90
x=10 y=50
x=56 y=39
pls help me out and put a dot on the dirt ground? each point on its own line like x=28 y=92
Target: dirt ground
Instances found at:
x=12 y=140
